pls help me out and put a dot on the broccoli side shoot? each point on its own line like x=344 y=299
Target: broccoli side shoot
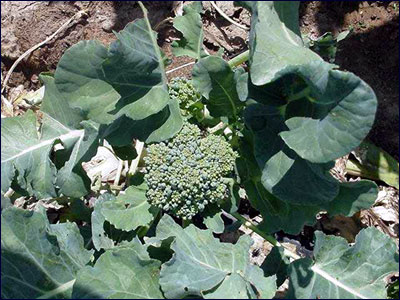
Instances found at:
x=183 y=90
x=186 y=173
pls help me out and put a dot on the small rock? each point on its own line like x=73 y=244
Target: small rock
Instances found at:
x=34 y=78
x=107 y=25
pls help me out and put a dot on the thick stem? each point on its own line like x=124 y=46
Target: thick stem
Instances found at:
x=268 y=238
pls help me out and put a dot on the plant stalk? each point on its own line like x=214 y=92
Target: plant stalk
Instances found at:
x=268 y=238
x=239 y=59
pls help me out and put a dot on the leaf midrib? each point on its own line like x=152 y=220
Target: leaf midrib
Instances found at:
x=44 y=143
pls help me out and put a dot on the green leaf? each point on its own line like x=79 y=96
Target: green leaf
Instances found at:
x=170 y=127
x=215 y=80
x=195 y=6
x=274 y=40
x=156 y=128
x=374 y=163
x=135 y=69
x=125 y=273
x=233 y=287
x=213 y=218
x=80 y=79
x=39 y=259
x=130 y=210
x=100 y=238
x=26 y=158
x=353 y=197
x=127 y=79
x=289 y=217
x=341 y=271
x=344 y=112
x=106 y=235
x=334 y=110
x=191 y=27
x=26 y=152
x=200 y=263
x=276 y=263
x=284 y=174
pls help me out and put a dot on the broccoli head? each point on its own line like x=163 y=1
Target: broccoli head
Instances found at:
x=187 y=172
x=183 y=90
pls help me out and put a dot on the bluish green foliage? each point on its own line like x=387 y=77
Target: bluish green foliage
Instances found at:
x=187 y=172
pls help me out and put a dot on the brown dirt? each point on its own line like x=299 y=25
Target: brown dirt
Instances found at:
x=25 y=24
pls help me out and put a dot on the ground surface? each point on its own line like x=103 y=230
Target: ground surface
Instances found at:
x=371 y=52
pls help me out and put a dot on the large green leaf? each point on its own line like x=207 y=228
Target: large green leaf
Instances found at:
x=340 y=271
x=329 y=112
x=274 y=40
x=344 y=109
x=125 y=273
x=191 y=27
x=25 y=152
x=26 y=156
x=289 y=217
x=129 y=210
x=202 y=265
x=39 y=259
x=215 y=80
x=285 y=174
x=135 y=69
x=127 y=79
x=79 y=77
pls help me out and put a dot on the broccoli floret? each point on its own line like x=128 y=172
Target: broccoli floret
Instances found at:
x=183 y=90
x=187 y=172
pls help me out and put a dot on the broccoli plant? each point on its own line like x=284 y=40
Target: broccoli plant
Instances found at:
x=188 y=172
x=266 y=135
x=188 y=97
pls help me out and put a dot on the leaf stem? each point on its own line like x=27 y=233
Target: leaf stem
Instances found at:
x=303 y=93
x=247 y=223
x=59 y=290
x=139 y=149
x=239 y=59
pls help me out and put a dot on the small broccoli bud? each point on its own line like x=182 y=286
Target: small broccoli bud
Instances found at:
x=183 y=90
x=186 y=173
